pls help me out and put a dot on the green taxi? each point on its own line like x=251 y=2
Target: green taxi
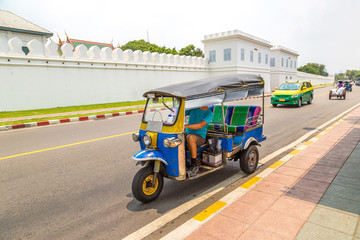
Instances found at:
x=293 y=93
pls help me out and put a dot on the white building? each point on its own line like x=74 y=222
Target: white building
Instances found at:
x=238 y=52
x=283 y=65
x=11 y=25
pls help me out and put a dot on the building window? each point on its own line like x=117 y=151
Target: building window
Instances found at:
x=272 y=62
x=251 y=56
x=25 y=50
x=290 y=63
x=294 y=64
x=282 y=62
x=287 y=62
x=242 y=54
x=259 y=57
x=266 y=59
x=227 y=54
x=212 y=56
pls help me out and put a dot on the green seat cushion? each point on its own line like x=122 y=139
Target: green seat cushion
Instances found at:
x=239 y=115
x=218 y=114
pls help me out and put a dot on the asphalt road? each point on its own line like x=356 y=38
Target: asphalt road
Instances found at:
x=62 y=190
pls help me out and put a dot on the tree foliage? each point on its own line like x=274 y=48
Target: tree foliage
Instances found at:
x=349 y=74
x=314 y=68
x=190 y=50
x=144 y=46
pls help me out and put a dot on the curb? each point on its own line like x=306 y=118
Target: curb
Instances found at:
x=85 y=118
x=74 y=119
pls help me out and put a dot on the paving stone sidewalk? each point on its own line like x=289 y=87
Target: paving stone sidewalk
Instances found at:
x=315 y=195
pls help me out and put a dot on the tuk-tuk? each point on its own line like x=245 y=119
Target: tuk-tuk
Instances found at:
x=339 y=91
x=233 y=133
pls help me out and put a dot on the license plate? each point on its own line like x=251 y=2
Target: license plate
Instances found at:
x=281 y=100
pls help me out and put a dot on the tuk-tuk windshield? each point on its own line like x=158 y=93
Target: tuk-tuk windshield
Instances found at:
x=167 y=110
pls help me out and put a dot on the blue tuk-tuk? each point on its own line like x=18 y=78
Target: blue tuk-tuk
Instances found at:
x=233 y=134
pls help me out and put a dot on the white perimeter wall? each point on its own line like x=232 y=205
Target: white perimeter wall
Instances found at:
x=314 y=79
x=43 y=79
x=46 y=80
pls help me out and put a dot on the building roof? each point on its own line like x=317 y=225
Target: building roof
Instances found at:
x=88 y=44
x=285 y=50
x=236 y=34
x=12 y=22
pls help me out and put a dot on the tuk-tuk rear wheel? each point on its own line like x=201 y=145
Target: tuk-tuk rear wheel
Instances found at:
x=249 y=159
x=142 y=185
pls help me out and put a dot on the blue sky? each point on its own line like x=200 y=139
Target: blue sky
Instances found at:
x=321 y=31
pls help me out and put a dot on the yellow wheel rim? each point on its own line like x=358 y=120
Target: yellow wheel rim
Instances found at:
x=146 y=186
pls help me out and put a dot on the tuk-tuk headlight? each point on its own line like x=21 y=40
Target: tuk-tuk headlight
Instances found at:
x=147 y=139
x=136 y=137
x=172 y=142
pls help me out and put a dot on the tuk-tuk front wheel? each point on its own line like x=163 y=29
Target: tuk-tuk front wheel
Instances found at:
x=249 y=159
x=142 y=187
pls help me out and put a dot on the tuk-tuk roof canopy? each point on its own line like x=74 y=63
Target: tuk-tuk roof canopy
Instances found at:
x=209 y=85
x=214 y=90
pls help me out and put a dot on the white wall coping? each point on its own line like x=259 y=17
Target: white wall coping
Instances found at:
x=38 y=50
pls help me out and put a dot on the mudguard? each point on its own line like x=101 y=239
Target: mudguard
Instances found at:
x=249 y=141
x=149 y=154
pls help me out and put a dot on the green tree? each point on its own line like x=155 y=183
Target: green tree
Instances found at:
x=340 y=76
x=352 y=74
x=357 y=76
x=190 y=50
x=314 y=68
x=143 y=46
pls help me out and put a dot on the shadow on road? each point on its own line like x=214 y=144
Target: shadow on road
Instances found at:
x=176 y=193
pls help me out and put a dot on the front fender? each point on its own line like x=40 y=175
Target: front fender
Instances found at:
x=251 y=140
x=151 y=155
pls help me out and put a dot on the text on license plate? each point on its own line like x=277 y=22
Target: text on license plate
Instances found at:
x=281 y=100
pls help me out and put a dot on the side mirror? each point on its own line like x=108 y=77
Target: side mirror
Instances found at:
x=276 y=88
x=304 y=88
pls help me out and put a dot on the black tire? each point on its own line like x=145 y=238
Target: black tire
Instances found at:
x=310 y=100
x=330 y=95
x=249 y=159
x=299 y=103
x=344 y=96
x=141 y=185
x=274 y=105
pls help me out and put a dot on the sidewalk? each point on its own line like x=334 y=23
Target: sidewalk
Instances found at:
x=312 y=193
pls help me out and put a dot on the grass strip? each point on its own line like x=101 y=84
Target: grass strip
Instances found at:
x=64 y=117
x=68 y=109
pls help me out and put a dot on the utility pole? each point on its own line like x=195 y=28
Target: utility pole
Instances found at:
x=147 y=32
